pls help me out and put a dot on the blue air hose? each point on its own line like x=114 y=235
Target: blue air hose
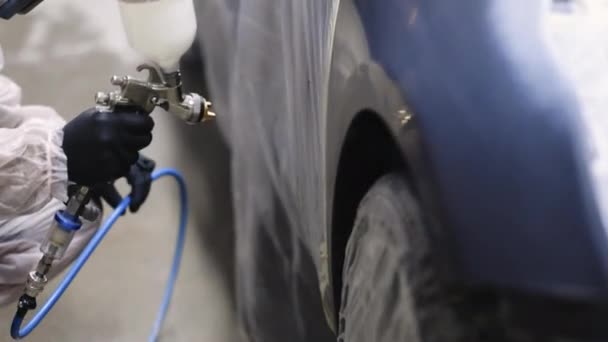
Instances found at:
x=18 y=333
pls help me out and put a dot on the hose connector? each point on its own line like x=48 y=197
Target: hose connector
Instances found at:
x=60 y=235
x=26 y=303
x=35 y=284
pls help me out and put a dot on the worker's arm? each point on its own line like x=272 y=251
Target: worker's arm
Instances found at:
x=39 y=154
x=33 y=166
x=20 y=241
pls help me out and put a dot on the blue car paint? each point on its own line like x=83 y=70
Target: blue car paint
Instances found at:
x=507 y=162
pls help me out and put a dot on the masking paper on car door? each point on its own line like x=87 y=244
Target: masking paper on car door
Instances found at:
x=267 y=66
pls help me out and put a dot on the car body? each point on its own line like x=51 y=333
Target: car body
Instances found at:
x=491 y=137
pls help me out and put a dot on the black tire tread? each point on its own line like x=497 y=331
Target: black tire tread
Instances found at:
x=418 y=308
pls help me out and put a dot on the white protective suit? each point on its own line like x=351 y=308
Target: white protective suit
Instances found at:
x=33 y=182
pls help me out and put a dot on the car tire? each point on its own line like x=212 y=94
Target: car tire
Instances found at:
x=391 y=292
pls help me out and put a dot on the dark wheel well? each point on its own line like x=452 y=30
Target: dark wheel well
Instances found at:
x=368 y=152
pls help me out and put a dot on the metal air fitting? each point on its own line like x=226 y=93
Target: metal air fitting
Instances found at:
x=35 y=284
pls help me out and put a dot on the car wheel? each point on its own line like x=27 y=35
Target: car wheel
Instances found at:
x=390 y=291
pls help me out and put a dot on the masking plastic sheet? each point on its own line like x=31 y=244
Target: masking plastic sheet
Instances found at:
x=267 y=66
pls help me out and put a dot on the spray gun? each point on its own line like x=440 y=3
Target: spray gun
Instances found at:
x=162 y=31
x=160 y=90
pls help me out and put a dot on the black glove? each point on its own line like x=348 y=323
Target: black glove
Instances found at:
x=140 y=179
x=101 y=146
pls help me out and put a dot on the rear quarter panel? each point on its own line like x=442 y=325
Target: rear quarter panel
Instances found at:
x=500 y=130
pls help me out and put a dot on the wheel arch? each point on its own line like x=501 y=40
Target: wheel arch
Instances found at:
x=366 y=121
x=369 y=151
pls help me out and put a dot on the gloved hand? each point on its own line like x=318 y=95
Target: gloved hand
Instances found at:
x=102 y=146
x=140 y=179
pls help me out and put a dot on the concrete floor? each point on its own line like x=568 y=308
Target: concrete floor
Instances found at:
x=62 y=55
